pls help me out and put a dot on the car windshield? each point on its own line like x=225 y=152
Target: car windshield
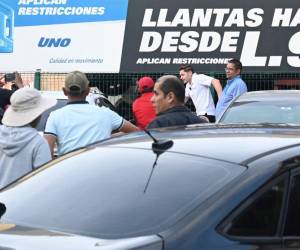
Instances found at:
x=100 y=192
x=262 y=112
x=42 y=122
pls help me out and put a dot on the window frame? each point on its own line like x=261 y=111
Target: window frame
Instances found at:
x=292 y=174
x=222 y=228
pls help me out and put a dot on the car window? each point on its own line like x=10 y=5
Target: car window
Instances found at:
x=101 y=192
x=42 y=122
x=259 y=215
x=292 y=227
x=260 y=112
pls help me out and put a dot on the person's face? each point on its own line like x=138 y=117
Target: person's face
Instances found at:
x=185 y=76
x=231 y=71
x=160 y=101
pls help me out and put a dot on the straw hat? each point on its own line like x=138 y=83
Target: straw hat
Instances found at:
x=26 y=105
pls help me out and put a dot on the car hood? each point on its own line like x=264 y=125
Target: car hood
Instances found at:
x=14 y=237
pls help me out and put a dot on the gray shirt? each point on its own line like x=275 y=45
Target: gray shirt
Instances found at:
x=21 y=150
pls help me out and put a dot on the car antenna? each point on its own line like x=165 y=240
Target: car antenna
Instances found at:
x=158 y=147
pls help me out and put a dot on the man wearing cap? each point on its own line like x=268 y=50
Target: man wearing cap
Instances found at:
x=21 y=147
x=142 y=108
x=78 y=123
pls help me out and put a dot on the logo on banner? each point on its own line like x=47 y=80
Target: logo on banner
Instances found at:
x=54 y=42
x=6 y=28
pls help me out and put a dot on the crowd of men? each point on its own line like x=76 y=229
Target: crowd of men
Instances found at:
x=161 y=104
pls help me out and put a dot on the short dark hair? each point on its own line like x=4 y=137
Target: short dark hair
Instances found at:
x=237 y=63
x=171 y=83
x=186 y=68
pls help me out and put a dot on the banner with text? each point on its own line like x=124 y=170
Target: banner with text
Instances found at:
x=162 y=35
x=62 y=35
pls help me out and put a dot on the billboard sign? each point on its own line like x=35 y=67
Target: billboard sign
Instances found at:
x=162 y=35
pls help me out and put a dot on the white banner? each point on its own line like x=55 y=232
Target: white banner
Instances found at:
x=62 y=35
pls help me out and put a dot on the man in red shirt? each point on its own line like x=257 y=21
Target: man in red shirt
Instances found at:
x=143 y=110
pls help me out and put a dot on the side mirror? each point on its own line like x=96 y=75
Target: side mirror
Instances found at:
x=160 y=146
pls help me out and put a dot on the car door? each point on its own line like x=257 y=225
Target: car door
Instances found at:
x=291 y=238
x=256 y=223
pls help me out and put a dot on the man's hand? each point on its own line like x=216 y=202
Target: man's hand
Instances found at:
x=18 y=81
x=2 y=82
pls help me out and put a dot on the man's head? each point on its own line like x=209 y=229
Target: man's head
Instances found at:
x=145 y=84
x=186 y=72
x=26 y=106
x=168 y=92
x=233 y=68
x=76 y=85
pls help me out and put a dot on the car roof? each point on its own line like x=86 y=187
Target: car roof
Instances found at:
x=55 y=94
x=231 y=143
x=270 y=95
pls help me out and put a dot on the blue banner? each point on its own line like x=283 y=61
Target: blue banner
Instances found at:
x=47 y=12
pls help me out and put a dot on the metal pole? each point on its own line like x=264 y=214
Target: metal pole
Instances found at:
x=37 y=79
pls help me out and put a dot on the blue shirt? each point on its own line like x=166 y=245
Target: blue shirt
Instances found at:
x=233 y=88
x=79 y=124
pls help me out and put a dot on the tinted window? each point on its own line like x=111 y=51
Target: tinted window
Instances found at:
x=292 y=227
x=101 y=192
x=273 y=112
x=261 y=217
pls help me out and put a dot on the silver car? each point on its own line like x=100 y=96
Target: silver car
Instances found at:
x=271 y=106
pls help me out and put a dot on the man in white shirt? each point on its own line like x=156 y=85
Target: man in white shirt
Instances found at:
x=198 y=89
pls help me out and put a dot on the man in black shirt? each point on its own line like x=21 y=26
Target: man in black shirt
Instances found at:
x=4 y=97
x=168 y=101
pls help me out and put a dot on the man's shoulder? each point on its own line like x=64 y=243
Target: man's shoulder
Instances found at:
x=158 y=122
x=202 y=79
x=195 y=75
x=59 y=111
x=137 y=100
x=145 y=98
x=2 y=90
x=238 y=81
x=6 y=92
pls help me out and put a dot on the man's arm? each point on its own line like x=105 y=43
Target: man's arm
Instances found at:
x=18 y=81
x=2 y=82
x=186 y=93
x=128 y=127
x=217 y=86
x=51 y=139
